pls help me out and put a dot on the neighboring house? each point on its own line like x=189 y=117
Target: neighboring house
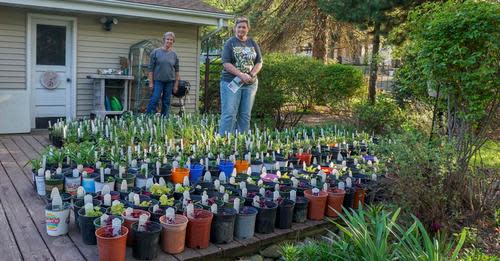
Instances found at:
x=67 y=37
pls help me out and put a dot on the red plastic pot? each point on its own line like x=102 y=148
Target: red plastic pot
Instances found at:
x=335 y=200
x=111 y=248
x=198 y=229
x=317 y=204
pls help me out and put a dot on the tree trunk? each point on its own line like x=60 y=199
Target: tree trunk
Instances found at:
x=320 y=37
x=374 y=63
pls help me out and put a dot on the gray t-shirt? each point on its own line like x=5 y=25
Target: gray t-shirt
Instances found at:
x=164 y=64
x=242 y=54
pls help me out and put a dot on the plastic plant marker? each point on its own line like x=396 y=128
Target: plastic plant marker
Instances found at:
x=276 y=196
x=186 y=195
x=315 y=191
x=156 y=207
x=143 y=218
x=213 y=208
x=236 y=204
x=295 y=182
x=162 y=182
x=348 y=182
x=158 y=168
x=331 y=165
x=244 y=192
x=226 y=197
x=80 y=192
x=131 y=197
x=80 y=168
x=256 y=201
x=101 y=171
x=249 y=180
x=124 y=186
x=294 y=172
x=116 y=225
x=149 y=183
x=40 y=172
x=137 y=199
x=232 y=181
x=304 y=166
x=243 y=185
x=47 y=174
x=234 y=173
x=325 y=187
x=344 y=163
x=204 y=199
x=88 y=208
x=249 y=171
x=278 y=173
x=103 y=219
x=129 y=211
x=293 y=195
x=260 y=183
x=217 y=184
x=105 y=190
x=208 y=176
x=115 y=202
x=57 y=203
x=374 y=177
x=264 y=170
x=262 y=191
x=107 y=200
x=190 y=210
x=54 y=192
x=222 y=177
x=178 y=187
x=323 y=175
x=87 y=199
x=121 y=170
x=314 y=182
x=134 y=163
x=185 y=182
x=222 y=189
x=341 y=185
x=75 y=173
x=277 y=187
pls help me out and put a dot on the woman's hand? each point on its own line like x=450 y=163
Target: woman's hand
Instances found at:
x=246 y=78
x=176 y=87
x=151 y=87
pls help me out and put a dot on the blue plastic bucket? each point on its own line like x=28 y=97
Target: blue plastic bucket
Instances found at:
x=227 y=167
x=195 y=173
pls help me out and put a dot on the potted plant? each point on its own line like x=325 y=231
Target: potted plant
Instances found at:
x=335 y=200
x=111 y=246
x=116 y=208
x=223 y=225
x=266 y=216
x=146 y=240
x=86 y=221
x=180 y=172
x=53 y=181
x=99 y=222
x=131 y=216
x=198 y=229
x=245 y=223
x=300 y=209
x=174 y=233
x=284 y=214
x=158 y=190
x=317 y=203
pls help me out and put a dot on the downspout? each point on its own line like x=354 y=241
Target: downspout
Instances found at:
x=220 y=25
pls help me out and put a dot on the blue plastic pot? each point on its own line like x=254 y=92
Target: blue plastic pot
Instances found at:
x=195 y=173
x=227 y=167
x=88 y=183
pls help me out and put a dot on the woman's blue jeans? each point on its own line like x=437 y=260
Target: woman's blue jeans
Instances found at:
x=236 y=108
x=161 y=89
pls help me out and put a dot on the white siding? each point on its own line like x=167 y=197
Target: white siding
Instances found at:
x=97 y=48
x=12 y=49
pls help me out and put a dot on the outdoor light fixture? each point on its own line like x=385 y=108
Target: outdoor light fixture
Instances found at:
x=108 y=22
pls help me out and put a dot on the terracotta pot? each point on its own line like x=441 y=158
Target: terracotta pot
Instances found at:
x=359 y=197
x=178 y=175
x=335 y=200
x=128 y=221
x=111 y=248
x=241 y=166
x=317 y=204
x=173 y=236
x=305 y=157
x=198 y=229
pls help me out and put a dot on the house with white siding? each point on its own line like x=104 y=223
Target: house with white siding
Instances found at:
x=69 y=39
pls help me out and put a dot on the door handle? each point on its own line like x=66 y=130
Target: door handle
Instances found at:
x=68 y=79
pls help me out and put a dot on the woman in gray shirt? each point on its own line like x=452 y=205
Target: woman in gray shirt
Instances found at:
x=242 y=62
x=164 y=74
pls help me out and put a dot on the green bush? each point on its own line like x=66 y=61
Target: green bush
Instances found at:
x=337 y=83
x=382 y=117
x=213 y=93
x=375 y=234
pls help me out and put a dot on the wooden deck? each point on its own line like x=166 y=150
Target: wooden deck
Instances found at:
x=22 y=216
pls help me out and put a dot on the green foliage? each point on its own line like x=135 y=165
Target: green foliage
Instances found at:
x=375 y=234
x=456 y=46
x=382 y=117
x=212 y=102
x=96 y=212
x=117 y=209
x=337 y=82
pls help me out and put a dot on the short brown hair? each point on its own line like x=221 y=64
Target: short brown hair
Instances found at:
x=242 y=19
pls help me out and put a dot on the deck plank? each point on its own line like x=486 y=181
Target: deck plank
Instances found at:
x=43 y=139
x=29 y=240
x=34 y=143
x=188 y=254
x=61 y=247
x=9 y=247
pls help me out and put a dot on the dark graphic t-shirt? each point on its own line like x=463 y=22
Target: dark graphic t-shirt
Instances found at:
x=242 y=54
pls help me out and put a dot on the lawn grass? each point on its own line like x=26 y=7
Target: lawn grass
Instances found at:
x=489 y=154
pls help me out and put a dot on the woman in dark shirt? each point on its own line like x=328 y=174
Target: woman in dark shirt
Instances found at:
x=242 y=62
x=164 y=74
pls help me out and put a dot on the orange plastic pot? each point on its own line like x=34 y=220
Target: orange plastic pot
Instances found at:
x=335 y=200
x=178 y=175
x=198 y=229
x=111 y=248
x=173 y=237
x=128 y=221
x=359 y=197
x=317 y=204
x=305 y=157
x=241 y=166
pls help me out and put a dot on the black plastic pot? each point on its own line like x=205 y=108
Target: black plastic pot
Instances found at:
x=348 y=198
x=300 y=210
x=165 y=173
x=222 y=230
x=87 y=227
x=124 y=195
x=146 y=243
x=266 y=218
x=79 y=205
x=284 y=214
